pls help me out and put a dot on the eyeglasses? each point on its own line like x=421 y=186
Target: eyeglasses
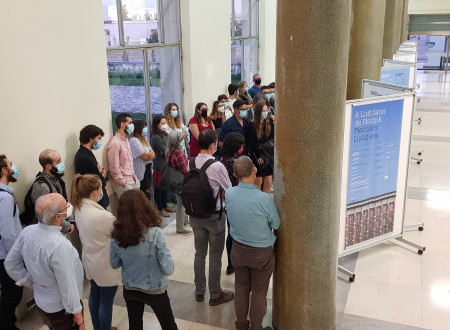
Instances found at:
x=61 y=211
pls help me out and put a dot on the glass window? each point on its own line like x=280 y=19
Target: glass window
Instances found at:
x=384 y=221
x=358 y=217
x=391 y=207
x=365 y=215
x=126 y=84
x=384 y=208
x=378 y=210
x=241 y=18
x=236 y=61
x=250 y=60
x=350 y=219
x=111 y=23
x=141 y=23
x=350 y=232
x=358 y=230
x=364 y=228
x=165 y=78
x=171 y=19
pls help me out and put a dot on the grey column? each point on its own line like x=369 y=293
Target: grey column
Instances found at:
x=366 y=44
x=405 y=22
x=312 y=56
x=392 y=27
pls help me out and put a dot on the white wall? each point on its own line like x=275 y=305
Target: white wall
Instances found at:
x=423 y=7
x=205 y=26
x=53 y=81
x=267 y=40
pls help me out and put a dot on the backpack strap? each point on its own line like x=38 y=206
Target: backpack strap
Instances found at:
x=15 y=204
x=207 y=164
x=192 y=164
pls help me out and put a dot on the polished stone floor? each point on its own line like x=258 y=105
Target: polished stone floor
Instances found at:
x=395 y=287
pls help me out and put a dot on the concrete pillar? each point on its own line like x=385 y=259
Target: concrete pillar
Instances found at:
x=405 y=22
x=366 y=44
x=312 y=56
x=392 y=27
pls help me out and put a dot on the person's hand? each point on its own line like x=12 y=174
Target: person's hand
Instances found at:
x=260 y=160
x=78 y=320
x=272 y=117
x=72 y=227
x=182 y=136
x=29 y=286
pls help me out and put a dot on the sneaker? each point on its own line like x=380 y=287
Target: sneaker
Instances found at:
x=230 y=270
x=199 y=297
x=222 y=299
x=185 y=232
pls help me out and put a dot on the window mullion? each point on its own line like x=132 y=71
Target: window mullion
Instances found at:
x=120 y=23
x=148 y=96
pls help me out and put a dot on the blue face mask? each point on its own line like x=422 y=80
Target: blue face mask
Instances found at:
x=246 y=90
x=130 y=129
x=61 y=168
x=243 y=113
x=97 y=145
x=145 y=131
x=16 y=172
x=100 y=198
x=174 y=113
x=264 y=115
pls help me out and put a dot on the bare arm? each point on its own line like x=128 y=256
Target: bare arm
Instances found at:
x=148 y=155
x=194 y=130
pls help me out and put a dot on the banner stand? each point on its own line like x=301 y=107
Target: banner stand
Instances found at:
x=375 y=166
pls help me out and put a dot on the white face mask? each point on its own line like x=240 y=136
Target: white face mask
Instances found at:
x=68 y=211
x=221 y=109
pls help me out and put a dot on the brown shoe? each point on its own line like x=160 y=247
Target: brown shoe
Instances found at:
x=199 y=297
x=164 y=214
x=222 y=299
x=170 y=210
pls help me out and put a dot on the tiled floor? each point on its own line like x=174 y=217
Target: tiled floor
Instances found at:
x=395 y=288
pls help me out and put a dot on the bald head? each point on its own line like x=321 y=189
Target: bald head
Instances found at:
x=48 y=157
x=243 y=167
x=48 y=206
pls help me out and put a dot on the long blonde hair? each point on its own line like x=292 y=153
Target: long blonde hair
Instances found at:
x=82 y=187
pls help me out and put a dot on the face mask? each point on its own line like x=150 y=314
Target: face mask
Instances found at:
x=130 y=129
x=243 y=113
x=145 y=131
x=60 y=168
x=68 y=210
x=258 y=82
x=221 y=109
x=174 y=113
x=271 y=96
x=264 y=115
x=97 y=145
x=246 y=90
x=215 y=150
x=100 y=198
x=16 y=172
x=204 y=113
x=240 y=151
x=182 y=144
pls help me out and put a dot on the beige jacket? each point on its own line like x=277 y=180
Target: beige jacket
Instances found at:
x=95 y=225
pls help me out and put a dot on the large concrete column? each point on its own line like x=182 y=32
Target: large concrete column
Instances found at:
x=312 y=56
x=366 y=44
x=392 y=27
x=405 y=22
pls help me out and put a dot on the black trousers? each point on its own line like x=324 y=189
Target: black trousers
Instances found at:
x=160 y=303
x=10 y=299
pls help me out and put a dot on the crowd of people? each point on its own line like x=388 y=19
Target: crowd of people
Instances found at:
x=222 y=161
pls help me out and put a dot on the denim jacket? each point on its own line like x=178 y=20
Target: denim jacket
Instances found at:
x=146 y=265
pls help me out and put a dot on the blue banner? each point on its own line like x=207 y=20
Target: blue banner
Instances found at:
x=374 y=150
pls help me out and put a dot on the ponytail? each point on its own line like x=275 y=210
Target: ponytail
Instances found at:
x=82 y=187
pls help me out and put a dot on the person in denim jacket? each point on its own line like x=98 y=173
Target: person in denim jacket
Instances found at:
x=139 y=247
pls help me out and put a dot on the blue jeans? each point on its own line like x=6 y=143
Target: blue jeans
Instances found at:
x=101 y=301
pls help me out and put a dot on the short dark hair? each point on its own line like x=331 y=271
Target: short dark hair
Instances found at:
x=221 y=97
x=121 y=118
x=264 y=87
x=272 y=85
x=231 y=145
x=2 y=163
x=90 y=132
x=206 y=138
x=232 y=88
x=237 y=104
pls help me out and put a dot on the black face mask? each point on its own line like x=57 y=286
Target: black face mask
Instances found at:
x=204 y=113
x=258 y=82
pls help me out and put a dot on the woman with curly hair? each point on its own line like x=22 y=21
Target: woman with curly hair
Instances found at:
x=139 y=247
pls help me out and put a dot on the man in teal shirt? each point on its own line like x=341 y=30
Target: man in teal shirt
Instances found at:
x=253 y=217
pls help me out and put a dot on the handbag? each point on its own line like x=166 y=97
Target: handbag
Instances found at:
x=172 y=179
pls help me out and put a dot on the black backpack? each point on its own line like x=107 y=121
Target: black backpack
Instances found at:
x=196 y=193
x=27 y=217
x=15 y=205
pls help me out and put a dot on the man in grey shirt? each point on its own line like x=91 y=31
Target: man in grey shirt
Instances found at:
x=42 y=258
x=52 y=172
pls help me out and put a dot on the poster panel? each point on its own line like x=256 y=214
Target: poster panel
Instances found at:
x=408 y=48
x=410 y=43
x=372 y=88
x=405 y=57
x=375 y=164
x=387 y=62
x=413 y=55
x=400 y=75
